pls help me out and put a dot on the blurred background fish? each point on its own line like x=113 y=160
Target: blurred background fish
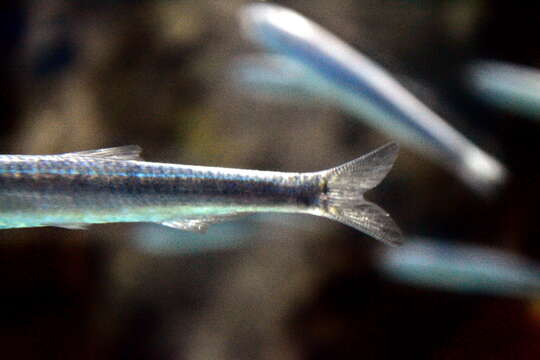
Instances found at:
x=93 y=74
x=459 y=267
x=159 y=240
x=340 y=75
x=510 y=87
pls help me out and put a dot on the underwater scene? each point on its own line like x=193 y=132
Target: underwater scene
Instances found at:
x=295 y=180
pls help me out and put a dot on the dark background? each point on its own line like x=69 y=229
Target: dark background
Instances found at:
x=78 y=75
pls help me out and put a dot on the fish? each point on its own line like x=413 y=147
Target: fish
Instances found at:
x=164 y=241
x=462 y=268
x=347 y=78
x=111 y=185
x=159 y=240
x=506 y=86
x=279 y=78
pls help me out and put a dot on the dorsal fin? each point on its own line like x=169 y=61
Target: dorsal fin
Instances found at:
x=128 y=152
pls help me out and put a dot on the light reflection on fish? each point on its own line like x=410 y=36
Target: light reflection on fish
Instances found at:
x=361 y=87
x=507 y=86
x=461 y=268
x=114 y=185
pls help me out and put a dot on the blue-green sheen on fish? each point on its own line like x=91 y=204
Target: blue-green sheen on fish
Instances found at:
x=507 y=86
x=460 y=267
x=114 y=185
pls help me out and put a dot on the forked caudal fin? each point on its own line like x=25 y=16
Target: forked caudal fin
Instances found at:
x=343 y=199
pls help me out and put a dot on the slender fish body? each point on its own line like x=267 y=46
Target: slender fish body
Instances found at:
x=464 y=268
x=114 y=185
x=279 y=78
x=355 y=83
x=507 y=86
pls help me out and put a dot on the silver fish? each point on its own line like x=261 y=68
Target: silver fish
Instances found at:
x=507 y=86
x=337 y=73
x=461 y=267
x=115 y=185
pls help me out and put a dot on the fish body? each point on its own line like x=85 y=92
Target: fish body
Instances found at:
x=462 y=268
x=507 y=86
x=352 y=81
x=113 y=185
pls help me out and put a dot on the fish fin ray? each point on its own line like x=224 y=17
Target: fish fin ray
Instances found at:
x=370 y=219
x=343 y=199
x=201 y=224
x=74 y=226
x=127 y=152
x=367 y=171
x=187 y=225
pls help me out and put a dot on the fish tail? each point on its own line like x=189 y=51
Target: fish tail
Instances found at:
x=343 y=194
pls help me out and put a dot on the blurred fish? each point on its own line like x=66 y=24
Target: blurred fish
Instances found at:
x=113 y=185
x=461 y=268
x=160 y=240
x=337 y=72
x=507 y=86
x=280 y=78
